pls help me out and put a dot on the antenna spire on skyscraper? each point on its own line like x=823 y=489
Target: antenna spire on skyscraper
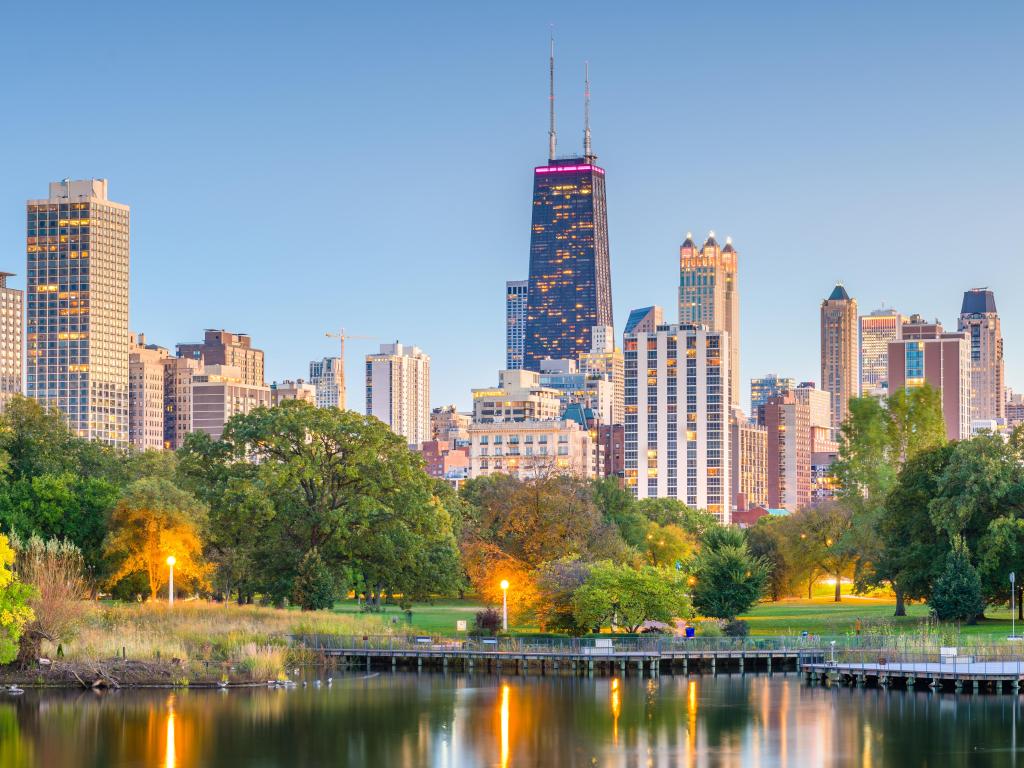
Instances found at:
x=586 y=109
x=551 y=98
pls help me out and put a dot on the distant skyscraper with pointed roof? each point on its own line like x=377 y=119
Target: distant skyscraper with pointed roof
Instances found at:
x=979 y=320
x=839 y=363
x=570 y=289
x=645 y=320
x=709 y=295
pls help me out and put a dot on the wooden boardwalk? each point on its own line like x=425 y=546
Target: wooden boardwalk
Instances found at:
x=959 y=675
x=572 y=657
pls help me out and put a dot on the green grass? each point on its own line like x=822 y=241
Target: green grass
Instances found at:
x=791 y=616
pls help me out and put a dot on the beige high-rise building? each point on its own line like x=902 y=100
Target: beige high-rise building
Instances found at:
x=749 y=451
x=76 y=329
x=146 y=373
x=787 y=421
x=709 y=295
x=876 y=331
x=398 y=390
x=979 y=321
x=225 y=348
x=519 y=396
x=11 y=349
x=449 y=426
x=839 y=365
x=220 y=392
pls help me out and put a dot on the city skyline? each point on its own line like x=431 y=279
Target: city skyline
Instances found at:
x=871 y=238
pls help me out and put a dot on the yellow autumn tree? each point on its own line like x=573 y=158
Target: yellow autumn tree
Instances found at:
x=153 y=520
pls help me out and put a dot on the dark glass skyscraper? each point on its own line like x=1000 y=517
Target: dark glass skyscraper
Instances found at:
x=570 y=288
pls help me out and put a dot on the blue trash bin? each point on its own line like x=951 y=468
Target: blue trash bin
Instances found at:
x=690 y=631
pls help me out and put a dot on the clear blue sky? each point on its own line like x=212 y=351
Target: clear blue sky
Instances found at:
x=293 y=167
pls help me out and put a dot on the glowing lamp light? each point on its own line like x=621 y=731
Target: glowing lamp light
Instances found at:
x=170 y=581
x=504 y=605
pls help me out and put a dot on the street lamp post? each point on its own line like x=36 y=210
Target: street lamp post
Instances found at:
x=170 y=584
x=504 y=605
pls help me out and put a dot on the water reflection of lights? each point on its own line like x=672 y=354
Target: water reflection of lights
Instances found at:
x=616 y=707
x=170 y=757
x=691 y=721
x=504 y=725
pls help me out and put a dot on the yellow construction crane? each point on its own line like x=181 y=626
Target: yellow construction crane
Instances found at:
x=341 y=336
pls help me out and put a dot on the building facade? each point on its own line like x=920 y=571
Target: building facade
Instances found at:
x=709 y=295
x=235 y=350
x=605 y=361
x=146 y=370
x=644 y=320
x=398 y=390
x=677 y=416
x=445 y=461
x=839 y=361
x=532 y=448
x=178 y=374
x=877 y=330
x=77 y=243
x=927 y=354
x=764 y=388
x=11 y=340
x=788 y=426
x=325 y=376
x=292 y=390
x=749 y=454
x=515 y=323
x=518 y=397
x=219 y=392
x=450 y=426
x=570 y=288
x=979 y=322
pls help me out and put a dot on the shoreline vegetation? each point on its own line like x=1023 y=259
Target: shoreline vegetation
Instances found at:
x=203 y=644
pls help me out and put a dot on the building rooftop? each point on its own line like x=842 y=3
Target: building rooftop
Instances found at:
x=978 y=301
x=839 y=293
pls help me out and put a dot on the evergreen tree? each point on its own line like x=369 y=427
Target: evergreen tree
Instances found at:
x=957 y=592
x=314 y=587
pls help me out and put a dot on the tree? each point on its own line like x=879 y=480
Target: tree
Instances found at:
x=1000 y=552
x=15 y=612
x=957 y=592
x=728 y=580
x=54 y=571
x=912 y=550
x=617 y=595
x=331 y=480
x=666 y=545
x=556 y=582
x=152 y=521
x=824 y=540
x=915 y=421
x=763 y=541
x=314 y=588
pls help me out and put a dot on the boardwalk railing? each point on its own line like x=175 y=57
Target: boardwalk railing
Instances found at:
x=558 y=645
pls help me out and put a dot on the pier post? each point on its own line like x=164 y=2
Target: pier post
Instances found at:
x=622 y=666
x=883 y=681
x=686 y=665
x=741 y=663
x=713 y=665
x=419 y=663
x=935 y=684
x=911 y=680
x=655 y=667
x=769 y=665
x=590 y=667
x=394 y=663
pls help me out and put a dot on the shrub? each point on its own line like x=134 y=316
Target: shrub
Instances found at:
x=956 y=595
x=709 y=629
x=736 y=628
x=314 y=586
x=488 y=621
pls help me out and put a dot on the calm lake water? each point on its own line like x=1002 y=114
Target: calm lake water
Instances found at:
x=457 y=720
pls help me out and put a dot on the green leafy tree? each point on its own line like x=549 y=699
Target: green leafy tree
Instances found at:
x=1000 y=552
x=314 y=588
x=618 y=595
x=957 y=592
x=912 y=550
x=728 y=580
x=764 y=541
x=557 y=582
x=15 y=612
x=915 y=421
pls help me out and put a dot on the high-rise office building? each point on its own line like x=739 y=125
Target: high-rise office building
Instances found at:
x=235 y=350
x=709 y=295
x=979 y=321
x=178 y=375
x=677 y=417
x=570 y=286
x=146 y=383
x=398 y=390
x=764 y=388
x=927 y=354
x=325 y=376
x=515 y=323
x=11 y=338
x=77 y=315
x=645 y=320
x=876 y=331
x=839 y=367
